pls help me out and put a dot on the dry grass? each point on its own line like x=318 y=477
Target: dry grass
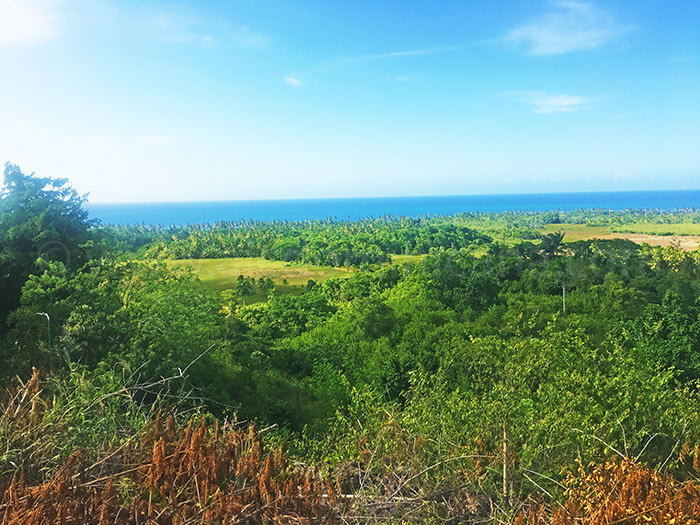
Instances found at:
x=581 y=232
x=172 y=474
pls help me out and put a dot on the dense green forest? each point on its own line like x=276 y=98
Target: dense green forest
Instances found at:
x=483 y=381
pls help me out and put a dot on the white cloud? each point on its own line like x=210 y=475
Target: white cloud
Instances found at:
x=550 y=103
x=28 y=21
x=402 y=79
x=158 y=140
x=292 y=81
x=568 y=26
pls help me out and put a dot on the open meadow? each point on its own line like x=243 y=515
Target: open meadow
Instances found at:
x=221 y=274
x=685 y=235
x=289 y=278
x=292 y=277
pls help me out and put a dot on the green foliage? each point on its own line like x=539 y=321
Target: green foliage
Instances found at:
x=667 y=337
x=288 y=315
x=459 y=280
x=92 y=411
x=41 y=219
x=324 y=243
x=577 y=348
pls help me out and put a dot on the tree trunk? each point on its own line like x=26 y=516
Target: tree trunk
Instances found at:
x=563 y=297
x=506 y=492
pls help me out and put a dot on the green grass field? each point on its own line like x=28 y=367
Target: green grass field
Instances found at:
x=399 y=259
x=221 y=274
x=684 y=228
x=576 y=232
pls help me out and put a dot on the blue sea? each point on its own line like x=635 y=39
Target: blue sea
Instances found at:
x=181 y=213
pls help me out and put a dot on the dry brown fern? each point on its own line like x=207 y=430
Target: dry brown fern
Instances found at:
x=175 y=474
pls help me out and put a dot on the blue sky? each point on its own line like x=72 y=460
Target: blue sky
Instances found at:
x=153 y=101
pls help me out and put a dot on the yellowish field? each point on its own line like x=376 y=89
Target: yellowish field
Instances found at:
x=685 y=242
x=640 y=233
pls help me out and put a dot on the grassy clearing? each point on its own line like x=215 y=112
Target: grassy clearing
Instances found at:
x=221 y=274
x=400 y=259
x=684 y=228
x=577 y=232
x=685 y=235
x=289 y=278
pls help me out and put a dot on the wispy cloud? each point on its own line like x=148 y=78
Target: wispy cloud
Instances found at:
x=183 y=28
x=292 y=81
x=568 y=26
x=28 y=21
x=345 y=61
x=402 y=79
x=398 y=54
x=552 y=103
x=158 y=140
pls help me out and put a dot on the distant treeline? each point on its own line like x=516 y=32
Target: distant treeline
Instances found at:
x=368 y=241
x=331 y=243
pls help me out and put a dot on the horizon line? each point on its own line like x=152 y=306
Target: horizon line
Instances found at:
x=376 y=197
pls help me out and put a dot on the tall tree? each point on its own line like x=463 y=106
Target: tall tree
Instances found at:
x=40 y=219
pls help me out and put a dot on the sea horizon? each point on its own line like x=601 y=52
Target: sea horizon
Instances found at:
x=178 y=213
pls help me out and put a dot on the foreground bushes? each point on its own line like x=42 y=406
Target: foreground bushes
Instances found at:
x=177 y=470
x=626 y=492
x=164 y=472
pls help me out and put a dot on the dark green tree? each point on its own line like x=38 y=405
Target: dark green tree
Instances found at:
x=244 y=287
x=41 y=219
x=552 y=245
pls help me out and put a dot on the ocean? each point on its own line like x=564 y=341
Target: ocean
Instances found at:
x=181 y=213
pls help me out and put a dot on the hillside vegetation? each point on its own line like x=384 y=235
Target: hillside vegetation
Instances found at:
x=409 y=370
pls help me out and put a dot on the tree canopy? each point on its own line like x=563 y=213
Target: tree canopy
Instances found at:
x=41 y=219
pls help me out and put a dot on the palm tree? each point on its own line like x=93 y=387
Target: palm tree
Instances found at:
x=552 y=245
